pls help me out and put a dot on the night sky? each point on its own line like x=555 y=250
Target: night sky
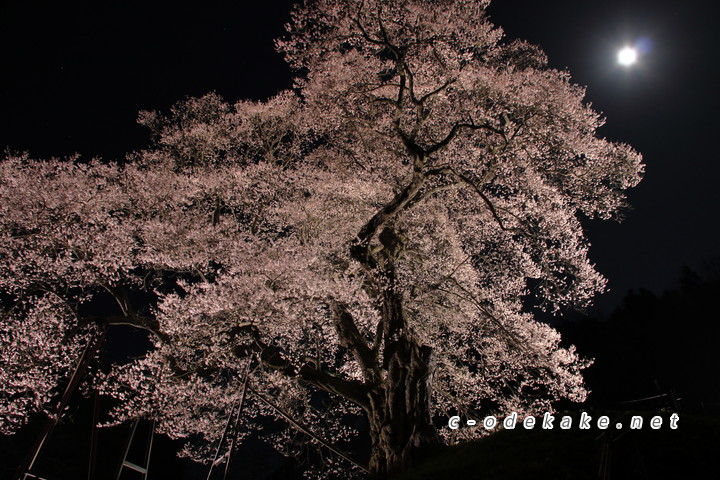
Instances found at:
x=73 y=78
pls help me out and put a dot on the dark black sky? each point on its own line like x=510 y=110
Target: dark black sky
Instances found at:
x=73 y=77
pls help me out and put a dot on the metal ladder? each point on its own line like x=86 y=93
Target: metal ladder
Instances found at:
x=142 y=469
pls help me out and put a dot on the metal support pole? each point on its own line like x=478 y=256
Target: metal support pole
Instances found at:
x=93 y=346
x=237 y=421
x=93 y=436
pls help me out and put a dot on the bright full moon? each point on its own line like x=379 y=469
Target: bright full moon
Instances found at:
x=627 y=56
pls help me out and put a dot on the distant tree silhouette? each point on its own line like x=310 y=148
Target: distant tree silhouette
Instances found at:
x=651 y=344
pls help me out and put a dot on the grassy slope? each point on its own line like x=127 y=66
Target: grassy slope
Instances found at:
x=690 y=452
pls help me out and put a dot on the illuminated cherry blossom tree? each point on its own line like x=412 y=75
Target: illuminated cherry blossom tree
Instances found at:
x=376 y=235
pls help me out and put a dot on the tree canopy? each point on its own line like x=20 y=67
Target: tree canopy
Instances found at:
x=374 y=234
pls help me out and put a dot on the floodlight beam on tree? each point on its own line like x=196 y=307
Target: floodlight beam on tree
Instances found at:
x=371 y=235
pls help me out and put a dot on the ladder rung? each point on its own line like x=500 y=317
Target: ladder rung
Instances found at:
x=132 y=466
x=33 y=475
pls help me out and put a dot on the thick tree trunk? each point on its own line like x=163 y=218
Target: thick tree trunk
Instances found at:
x=399 y=408
x=400 y=414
